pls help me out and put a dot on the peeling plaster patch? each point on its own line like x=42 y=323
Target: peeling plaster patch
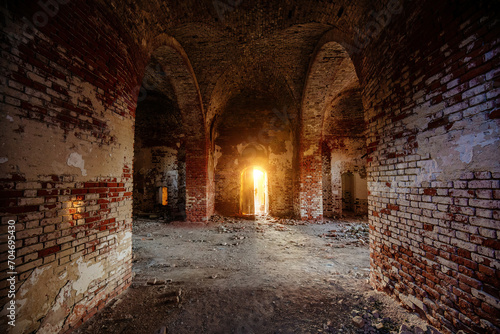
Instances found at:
x=310 y=151
x=429 y=168
x=217 y=155
x=127 y=251
x=58 y=311
x=86 y=90
x=283 y=160
x=3 y=160
x=88 y=273
x=9 y=118
x=467 y=143
x=76 y=160
x=33 y=278
x=51 y=297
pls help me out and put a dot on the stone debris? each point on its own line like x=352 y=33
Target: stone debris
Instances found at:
x=349 y=234
x=233 y=229
x=425 y=329
x=358 y=321
x=281 y=228
x=156 y=281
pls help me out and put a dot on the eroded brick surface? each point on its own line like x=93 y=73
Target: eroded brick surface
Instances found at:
x=426 y=74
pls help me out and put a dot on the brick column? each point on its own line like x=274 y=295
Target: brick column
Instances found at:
x=310 y=182
x=197 y=208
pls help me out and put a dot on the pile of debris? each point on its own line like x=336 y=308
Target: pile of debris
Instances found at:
x=222 y=220
x=232 y=229
x=290 y=221
x=349 y=234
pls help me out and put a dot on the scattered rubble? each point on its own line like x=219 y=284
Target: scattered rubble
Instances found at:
x=273 y=273
x=358 y=321
x=349 y=234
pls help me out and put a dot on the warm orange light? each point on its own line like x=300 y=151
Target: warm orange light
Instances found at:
x=253 y=199
x=259 y=191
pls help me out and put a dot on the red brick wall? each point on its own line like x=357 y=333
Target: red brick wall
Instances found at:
x=432 y=164
x=430 y=92
x=68 y=100
x=175 y=62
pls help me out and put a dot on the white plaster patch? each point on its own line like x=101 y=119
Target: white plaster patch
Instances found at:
x=3 y=160
x=429 y=168
x=76 y=160
x=59 y=308
x=127 y=251
x=33 y=278
x=467 y=143
x=88 y=273
x=217 y=155
x=9 y=118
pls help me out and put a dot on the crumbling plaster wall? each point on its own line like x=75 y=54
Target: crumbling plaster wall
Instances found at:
x=432 y=112
x=428 y=71
x=159 y=157
x=252 y=133
x=65 y=177
x=343 y=155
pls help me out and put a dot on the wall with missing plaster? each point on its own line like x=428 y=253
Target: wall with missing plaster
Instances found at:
x=65 y=176
x=251 y=133
x=159 y=157
x=423 y=89
x=432 y=179
x=343 y=160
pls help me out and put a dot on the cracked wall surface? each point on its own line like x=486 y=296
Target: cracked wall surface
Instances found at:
x=66 y=178
x=413 y=84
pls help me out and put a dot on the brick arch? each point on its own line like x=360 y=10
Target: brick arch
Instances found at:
x=177 y=67
x=331 y=72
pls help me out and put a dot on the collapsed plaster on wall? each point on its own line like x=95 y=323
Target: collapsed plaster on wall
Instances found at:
x=310 y=151
x=217 y=155
x=55 y=318
x=49 y=296
x=466 y=144
x=3 y=160
x=76 y=160
x=458 y=151
x=57 y=144
x=51 y=293
x=283 y=160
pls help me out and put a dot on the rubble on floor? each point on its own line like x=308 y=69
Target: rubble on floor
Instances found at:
x=268 y=275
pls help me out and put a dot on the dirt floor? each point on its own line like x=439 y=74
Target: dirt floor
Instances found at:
x=251 y=276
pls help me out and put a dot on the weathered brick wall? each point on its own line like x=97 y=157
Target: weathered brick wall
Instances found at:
x=177 y=69
x=67 y=106
x=331 y=73
x=159 y=157
x=433 y=167
x=343 y=155
x=254 y=133
x=343 y=149
x=429 y=78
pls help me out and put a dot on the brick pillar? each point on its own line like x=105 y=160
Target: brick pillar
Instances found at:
x=197 y=206
x=310 y=183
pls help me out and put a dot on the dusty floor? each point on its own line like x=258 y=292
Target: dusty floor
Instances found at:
x=244 y=276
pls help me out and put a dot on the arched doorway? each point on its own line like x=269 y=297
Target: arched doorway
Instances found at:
x=254 y=191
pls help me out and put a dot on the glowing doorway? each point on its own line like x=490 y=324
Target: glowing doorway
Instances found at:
x=254 y=194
